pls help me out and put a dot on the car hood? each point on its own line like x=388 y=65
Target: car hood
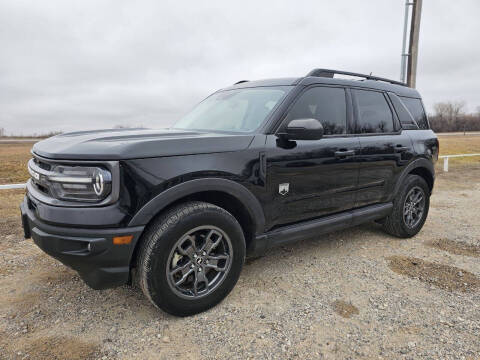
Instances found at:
x=120 y=144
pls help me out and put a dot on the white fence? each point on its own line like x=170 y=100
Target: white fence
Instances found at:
x=13 y=186
x=444 y=157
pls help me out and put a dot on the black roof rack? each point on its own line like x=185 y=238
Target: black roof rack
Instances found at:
x=330 y=73
x=241 y=81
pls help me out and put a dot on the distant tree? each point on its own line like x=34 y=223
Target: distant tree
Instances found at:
x=449 y=110
x=51 y=133
x=120 y=126
x=451 y=116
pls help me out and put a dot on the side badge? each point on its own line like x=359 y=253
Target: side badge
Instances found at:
x=283 y=188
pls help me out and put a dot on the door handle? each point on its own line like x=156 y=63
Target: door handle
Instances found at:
x=344 y=153
x=400 y=148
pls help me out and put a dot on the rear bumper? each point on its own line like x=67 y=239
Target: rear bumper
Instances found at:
x=90 y=252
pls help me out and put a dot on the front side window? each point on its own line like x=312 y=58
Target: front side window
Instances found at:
x=374 y=114
x=415 y=108
x=238 y=110
x=326 y=104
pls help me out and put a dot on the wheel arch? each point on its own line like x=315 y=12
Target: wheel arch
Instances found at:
x=227 y=194
x=421 y=167
x=425 y=174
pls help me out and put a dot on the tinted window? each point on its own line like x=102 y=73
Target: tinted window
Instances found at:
x=374 y=115
x=415 y=108
x=403 y=114
x=325 y=104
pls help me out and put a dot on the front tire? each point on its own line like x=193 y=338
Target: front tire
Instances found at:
x=410 y=208
x=191 y=258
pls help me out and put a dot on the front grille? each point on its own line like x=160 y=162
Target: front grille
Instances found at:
x=43 y=189
x=38 y=170
x=42 y=165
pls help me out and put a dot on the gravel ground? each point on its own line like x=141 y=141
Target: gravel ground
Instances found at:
x=354 y=294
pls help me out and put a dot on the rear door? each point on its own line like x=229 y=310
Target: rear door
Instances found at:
x=385 y=149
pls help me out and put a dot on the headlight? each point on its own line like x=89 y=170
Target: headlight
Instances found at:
x=72 y=183
x=80 y=183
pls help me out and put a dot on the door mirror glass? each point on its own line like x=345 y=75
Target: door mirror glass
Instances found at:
x=303 y=129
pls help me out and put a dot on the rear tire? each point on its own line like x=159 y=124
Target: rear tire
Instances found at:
x=191 y=258
x=410 y=208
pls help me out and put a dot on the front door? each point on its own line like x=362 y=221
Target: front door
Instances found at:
x=307 y=179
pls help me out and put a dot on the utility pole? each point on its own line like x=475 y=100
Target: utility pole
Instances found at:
x=403 y=66
x=413 y=45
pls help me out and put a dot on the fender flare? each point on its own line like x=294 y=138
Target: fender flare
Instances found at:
x=167 y=197
x=418 y=163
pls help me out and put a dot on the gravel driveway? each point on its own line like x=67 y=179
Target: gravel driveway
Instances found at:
x=354 y=294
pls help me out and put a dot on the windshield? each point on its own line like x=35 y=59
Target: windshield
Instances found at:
x=238 y=110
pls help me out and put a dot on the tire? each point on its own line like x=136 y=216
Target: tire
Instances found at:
x=397 y=223
x=180 y=239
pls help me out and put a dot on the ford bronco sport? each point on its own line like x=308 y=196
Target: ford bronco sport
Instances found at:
x=255 y=165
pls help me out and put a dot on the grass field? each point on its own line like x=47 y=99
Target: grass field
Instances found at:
x=13 y=162
x=14 y=156
x=460 y=144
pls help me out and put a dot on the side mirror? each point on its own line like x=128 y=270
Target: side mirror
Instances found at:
x=303 y=129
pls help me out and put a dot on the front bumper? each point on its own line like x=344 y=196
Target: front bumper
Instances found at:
x=89 y=251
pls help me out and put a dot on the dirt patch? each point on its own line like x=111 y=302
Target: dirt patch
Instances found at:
x=446 y=277
x=344 y=309
x=456 y=247
x=412 y=330
x=55 y=347
x=4 y=270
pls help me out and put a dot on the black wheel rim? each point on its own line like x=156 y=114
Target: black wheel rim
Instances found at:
x=414 y=207
x=199 y=262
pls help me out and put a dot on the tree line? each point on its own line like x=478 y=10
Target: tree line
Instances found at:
x=451 y=116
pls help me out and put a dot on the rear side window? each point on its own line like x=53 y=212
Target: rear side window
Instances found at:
x=326 y=104
x=374 y=114
x=415 y=108
x=404 y=115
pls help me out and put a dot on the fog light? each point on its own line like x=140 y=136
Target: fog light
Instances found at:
x=89 y=247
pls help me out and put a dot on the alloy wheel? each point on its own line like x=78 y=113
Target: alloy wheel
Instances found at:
x=414 y=207
x=199 y=262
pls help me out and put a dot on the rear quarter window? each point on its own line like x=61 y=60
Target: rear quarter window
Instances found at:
x=415 y=108
x=406 y=119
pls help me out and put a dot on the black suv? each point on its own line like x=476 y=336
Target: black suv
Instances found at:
x=255 y=165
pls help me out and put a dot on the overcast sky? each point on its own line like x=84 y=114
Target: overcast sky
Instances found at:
x=67 y=65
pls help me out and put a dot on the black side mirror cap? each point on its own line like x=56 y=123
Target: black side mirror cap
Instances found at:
x=303 y=129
